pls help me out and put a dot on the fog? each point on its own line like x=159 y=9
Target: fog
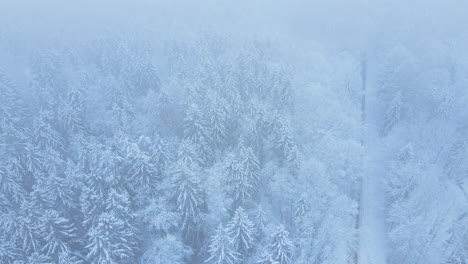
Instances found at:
x=336 y=22
x=234 y=132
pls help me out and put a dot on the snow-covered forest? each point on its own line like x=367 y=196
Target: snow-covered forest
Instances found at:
x=234 y=132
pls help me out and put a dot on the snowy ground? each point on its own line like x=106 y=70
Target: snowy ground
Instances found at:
x=372 y=233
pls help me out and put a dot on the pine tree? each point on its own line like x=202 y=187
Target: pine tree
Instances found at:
x=109 y=241
x=158 y=218
x=27 y=229
x=393 y=113
x=71 y=113
x=39 y=196
x=220 y=248
x=186 y=153
x=237 y=180
x=59 y=190
x=285 y=143
x=142 y=171
x=294 y=160
x=218 y=133
x=196 y=131
x=167 y=249
x=7 y=251
x=57 y=231
x=301 y=207
x=44 y=135
x=276 y=123
x=36 y=258
x=259 y=131
x=68 y=258
x=12 y=114
x=32 y=159
x=91 y=204
x=120 y=100
x=267 y=258
x=161 y=155
x=282 y=91
x=189 y=201
x=143 y=77
x=46 y=79
x=251 y=166
x=236 y=107
x=260 y=220
x=281 y=247
x=109 y=165
x=242 y=231
x=406 y=152
x=118 y=205
x=10 y=186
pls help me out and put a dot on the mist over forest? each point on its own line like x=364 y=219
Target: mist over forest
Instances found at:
x=234 y=132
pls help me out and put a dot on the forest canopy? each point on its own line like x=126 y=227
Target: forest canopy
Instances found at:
x=233 y=132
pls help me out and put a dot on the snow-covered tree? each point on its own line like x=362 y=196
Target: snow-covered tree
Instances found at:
x=242 y=231
x=393 y=113
x=37 y=258
x=7 y=251
x=118 y=204
x=57 y=232
x=238 y=183
x=221 y=249
x=10 y=186
x=260 y=220
x=281 y=246
x=158 y=218
x=59 y=190
x=266 y=258
x=142 y=171
x=69 y=258
x=44 y=135
x=218 y=133
x=294 y=160
x=287 y=149
x=167 y=250
x=186 y=153
x=91 y=205
x=197 y=132
x=72 y=112
x=189 y=201
x=251 y=166
x=28 y=229
x=161 y=155
x=109 y=241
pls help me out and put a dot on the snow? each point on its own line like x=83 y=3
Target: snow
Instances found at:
x=372 y=228
x=372 y=233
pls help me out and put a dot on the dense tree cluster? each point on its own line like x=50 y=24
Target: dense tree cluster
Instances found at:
x=110 y=158
x=129 y=149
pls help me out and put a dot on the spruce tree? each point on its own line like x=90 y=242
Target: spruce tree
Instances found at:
x=142 y=171
x=109 y=241
x=259 y=220
x=189 y=201
x=161 y=155
x=196 y=131
x=220 y=248
x=242 y=231
x=393 y=113
x=58 y=232
x=218 y=133
x=281 y=246
x=238 y=182
x=251 y=166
